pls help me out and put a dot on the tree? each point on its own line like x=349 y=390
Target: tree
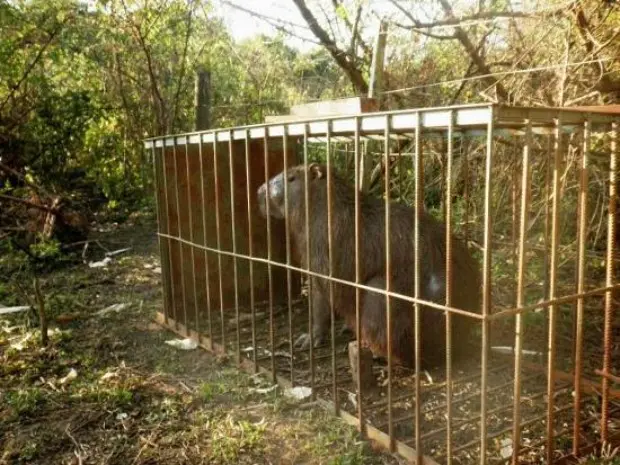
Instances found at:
x=500 y=51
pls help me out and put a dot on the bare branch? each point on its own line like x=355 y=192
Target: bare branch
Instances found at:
x=474 y=53
x=188 y=33
x=44 y=208
x=277 y=23
x=424 y=32
x=22 y=178
x=457 y=94
x=593 y=47
x=157 y=97
x=329 y=21
x=263 y=16
x=342 y=59
x=356 y=37
x=478 y=17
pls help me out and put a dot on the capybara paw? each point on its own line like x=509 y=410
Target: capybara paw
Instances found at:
x=344 y=330
x=303 y=341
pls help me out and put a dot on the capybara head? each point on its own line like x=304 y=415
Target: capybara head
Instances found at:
x=295 y=184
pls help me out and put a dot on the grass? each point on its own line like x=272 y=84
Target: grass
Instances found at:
x=136 y=400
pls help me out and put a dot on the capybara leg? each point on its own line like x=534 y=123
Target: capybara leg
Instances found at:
x=374 y=318
x=321 y=318
x=344 y=330
x=374 y=324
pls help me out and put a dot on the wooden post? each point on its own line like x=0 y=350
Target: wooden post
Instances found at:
x=376 y=68
x=374 y=92
x=202 y=99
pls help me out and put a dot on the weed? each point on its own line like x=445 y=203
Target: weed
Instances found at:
x=24 y=402
x=230 y=438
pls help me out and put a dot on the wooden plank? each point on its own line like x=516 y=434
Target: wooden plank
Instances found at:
x=612 y=109
x=337 y=107
x=182 y=260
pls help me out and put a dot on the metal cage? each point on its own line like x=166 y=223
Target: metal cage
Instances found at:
x=532 y=192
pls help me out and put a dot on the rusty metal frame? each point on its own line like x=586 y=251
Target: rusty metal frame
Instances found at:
x=487 y=121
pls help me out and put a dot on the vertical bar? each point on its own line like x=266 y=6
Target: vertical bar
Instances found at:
x=358 y=320
x=218 y=234
x=525 y=198
x=515 y=221
x=168 y=230
x=448 y=219
x=180 y=234
x=553 y=277
x=442 y=185
x=401 y=170
x=547 y=222
x=269 y=257
x=308 y=258
x=583 y=194
x=250 y=245
x=287 y=234
x=609 y=281
x=191 y=238
x=388 y=280
x=547 y=235
x=158 y=201
x=464 y=152
x=205 y=238
x=330 y=251
x=576 y=270
x=418 y=194
x=233 y=221
x=486 y=288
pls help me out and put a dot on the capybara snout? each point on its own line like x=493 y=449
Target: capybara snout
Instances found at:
x=271 y=191
x=291 y=183
x=262 y=200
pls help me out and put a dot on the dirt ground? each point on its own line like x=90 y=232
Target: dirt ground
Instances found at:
x=109 y=390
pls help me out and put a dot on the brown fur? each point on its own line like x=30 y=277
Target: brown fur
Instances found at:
x=466 y=276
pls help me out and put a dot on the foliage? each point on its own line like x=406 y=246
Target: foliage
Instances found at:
x=131 y=385
x=81 y=85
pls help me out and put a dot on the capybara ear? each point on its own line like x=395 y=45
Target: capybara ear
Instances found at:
x=316 y=170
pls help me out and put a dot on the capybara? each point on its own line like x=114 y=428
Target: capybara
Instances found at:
x=466 y=288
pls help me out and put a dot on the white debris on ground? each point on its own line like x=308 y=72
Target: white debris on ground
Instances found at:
x=506 y=450
x=510 y=351
x=265 y=390
x=298 y=392
x=100 y=264
x=112 y=308
x=70 y=376
x=20 y=308
x=117 y=252
x=183 y=344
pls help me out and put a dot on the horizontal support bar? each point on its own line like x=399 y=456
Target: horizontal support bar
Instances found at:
x=511 y=119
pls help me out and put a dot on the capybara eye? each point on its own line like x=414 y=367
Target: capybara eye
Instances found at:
x=291 y=177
